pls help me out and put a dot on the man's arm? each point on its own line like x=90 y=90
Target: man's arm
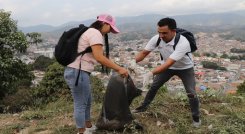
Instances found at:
x=141 y=55
x=169 y=62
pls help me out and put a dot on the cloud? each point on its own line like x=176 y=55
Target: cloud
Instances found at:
x=56 y=12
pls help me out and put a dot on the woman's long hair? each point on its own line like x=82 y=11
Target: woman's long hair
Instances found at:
x=98 y=25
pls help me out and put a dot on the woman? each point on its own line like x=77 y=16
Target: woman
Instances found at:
x=82 y=92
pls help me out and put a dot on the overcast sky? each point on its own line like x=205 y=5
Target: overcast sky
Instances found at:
x=57 y=12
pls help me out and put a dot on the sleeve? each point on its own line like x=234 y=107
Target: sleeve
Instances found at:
x=94 y=37
x=181 y=49
x=151 y=45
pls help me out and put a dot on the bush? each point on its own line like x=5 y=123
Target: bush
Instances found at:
x=241 y=88
x=212 y=65
x=42 y=63
x=18 y=101
x=52 y=86
x=210 y=96
x=98 y=89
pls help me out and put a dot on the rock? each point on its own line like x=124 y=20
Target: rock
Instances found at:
x=210 y=127
x=16 y=115
x=159 y=123
x=170 y=122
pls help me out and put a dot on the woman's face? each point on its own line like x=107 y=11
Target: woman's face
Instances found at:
x=106 y=28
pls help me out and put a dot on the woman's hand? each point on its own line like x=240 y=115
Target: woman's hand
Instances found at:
x=123 y=72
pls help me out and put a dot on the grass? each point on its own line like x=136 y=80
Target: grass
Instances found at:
x=169 y=113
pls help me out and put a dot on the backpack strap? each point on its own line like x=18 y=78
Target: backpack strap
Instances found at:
x=157 y=44
x=158 y=41
x=87 y=50
x=176 y=40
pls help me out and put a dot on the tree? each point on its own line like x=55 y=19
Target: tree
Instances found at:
x=42 y=63
x=225 y=56
x=129 y=49
x=52 y=86
x=34 y=38
x=196 y=54
x=12 y=69
x=211 y=54
x=212 y=65
x=98 y=89
x=241 y=88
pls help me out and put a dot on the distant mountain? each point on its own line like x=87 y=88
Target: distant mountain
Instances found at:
x=217 y=21
x=221 y=19
x=37 y=28
x=148 y=18
x=239 y=12
x=42 y=28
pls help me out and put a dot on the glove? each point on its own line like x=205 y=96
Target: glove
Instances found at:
x=132 y=65
x=146 y=80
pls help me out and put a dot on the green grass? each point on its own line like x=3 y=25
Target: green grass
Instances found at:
x=169 y=113
x=227 y=114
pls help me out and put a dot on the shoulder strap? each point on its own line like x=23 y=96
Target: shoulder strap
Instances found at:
x=158 y=41
x=176 y=40
x=157 y=44
x=87 y=50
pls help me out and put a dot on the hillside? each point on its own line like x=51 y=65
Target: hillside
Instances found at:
x=235 y=18
x=233 y=22
x=45 y=106
x=169 y=113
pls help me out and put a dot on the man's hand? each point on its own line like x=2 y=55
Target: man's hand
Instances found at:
x=146 y=79
x=132 y=65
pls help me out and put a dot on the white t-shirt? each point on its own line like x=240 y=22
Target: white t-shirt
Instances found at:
x=167 y=51
x=91 y=37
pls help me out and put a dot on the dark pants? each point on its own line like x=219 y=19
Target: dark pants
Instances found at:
x=188 y=78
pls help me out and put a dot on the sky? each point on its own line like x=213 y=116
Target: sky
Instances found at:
x=58 y=12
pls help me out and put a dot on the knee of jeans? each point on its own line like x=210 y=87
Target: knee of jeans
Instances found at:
x=80 y=109
x=191 y=95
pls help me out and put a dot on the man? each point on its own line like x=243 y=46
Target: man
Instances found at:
x=175 y=62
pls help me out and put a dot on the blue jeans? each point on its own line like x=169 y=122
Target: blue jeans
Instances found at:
x=81 y=94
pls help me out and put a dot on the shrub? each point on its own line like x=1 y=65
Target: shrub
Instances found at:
x=52 y=86
x=18 y=101
x=241 y=88
x=98 y=89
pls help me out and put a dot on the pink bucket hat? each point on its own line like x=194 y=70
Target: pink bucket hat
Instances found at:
x=110 y=20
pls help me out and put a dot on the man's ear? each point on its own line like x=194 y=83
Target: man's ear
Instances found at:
x=173 y=30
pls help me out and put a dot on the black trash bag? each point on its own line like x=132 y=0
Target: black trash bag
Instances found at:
x=115 y=114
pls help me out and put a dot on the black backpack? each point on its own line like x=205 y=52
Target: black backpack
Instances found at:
x=66 y=49
x=189 y=36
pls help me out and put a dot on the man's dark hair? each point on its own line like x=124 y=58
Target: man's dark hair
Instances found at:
x=167 y=22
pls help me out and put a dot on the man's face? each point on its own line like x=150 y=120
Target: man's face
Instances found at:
x=166 y=34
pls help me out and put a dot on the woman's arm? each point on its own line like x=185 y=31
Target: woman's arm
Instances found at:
x=97 y=51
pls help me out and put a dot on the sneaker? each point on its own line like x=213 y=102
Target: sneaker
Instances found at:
x=197 y=124
x=90 y=130
x=140 y=109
